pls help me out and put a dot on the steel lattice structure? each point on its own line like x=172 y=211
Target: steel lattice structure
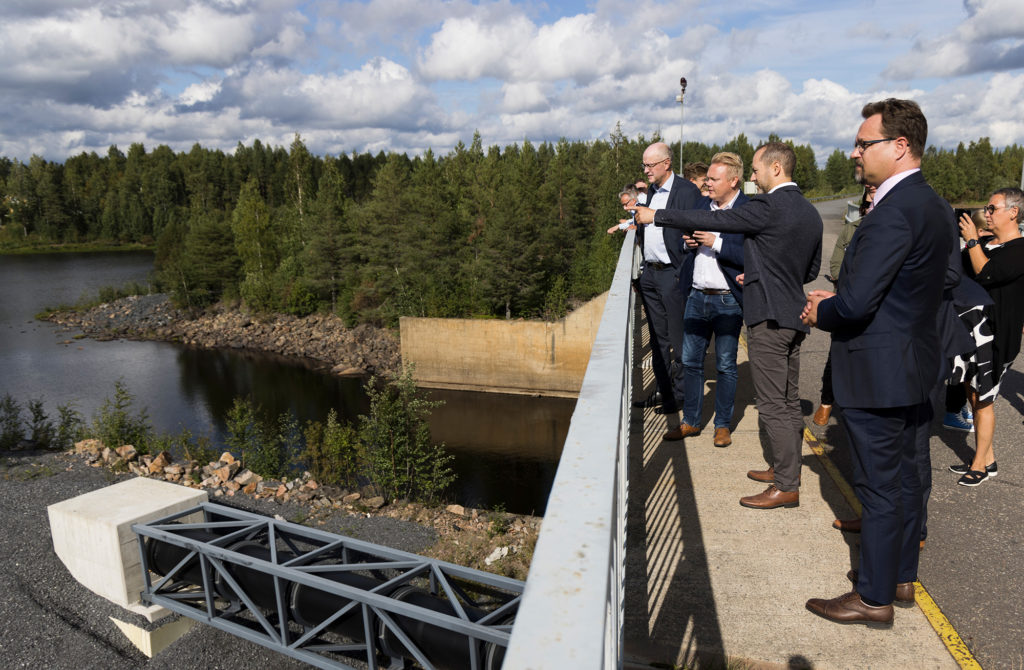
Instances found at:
x=323 y=598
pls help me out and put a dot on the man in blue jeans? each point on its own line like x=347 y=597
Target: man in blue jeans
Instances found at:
x=708 y=278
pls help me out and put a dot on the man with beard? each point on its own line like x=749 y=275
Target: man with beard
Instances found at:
x=781 y=253
x=886 y=354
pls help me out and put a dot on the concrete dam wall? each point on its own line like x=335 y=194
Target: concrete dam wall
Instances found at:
x=533 y=357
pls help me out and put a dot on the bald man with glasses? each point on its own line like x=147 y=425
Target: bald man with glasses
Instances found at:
x=659 y=291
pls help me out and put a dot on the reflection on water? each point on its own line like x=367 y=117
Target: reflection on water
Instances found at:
x=506 y=447
x=508 y=443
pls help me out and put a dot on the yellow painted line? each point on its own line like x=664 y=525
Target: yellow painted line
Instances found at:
x=832 y=470
x=954 y=643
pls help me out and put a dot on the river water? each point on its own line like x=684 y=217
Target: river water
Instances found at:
x=506 y=447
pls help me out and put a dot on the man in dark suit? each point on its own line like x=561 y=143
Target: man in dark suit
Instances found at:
x=886 y=353
x=714 y=303
x=659 y=291
x=781 y=253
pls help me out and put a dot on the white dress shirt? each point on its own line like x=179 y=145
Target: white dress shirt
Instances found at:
x=654 y=238
x=707 y=274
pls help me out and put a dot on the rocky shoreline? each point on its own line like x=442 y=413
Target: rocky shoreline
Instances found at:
x=322 y=339
x=494 y=541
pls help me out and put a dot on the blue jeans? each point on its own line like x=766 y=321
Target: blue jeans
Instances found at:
x=705 y=315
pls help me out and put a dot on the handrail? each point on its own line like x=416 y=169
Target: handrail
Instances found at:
x=570 y=615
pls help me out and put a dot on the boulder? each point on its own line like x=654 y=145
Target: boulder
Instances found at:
x=127 y=452
x=89 y=447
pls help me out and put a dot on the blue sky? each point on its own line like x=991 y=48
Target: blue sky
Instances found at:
x=407 y=75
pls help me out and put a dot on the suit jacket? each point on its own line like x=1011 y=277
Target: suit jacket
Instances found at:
x=781 y=250
x=683 y=195
x=885 y=346
x=730 y=258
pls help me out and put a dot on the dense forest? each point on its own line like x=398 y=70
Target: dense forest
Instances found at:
x=507 y=232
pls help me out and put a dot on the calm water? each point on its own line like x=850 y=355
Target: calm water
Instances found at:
x=506 y=447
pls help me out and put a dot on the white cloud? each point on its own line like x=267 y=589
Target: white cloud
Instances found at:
x=200 y=92
x=990 y=39
x=524 y=97
x=407 y=74
x=203 y=35
x=380 y=94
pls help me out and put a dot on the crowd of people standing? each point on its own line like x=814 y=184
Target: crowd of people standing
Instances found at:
x=922 y=302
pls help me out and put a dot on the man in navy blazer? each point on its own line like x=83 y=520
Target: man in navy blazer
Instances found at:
x=714 y=303
x=659 y=291
x=781 y=253
x=886 y=354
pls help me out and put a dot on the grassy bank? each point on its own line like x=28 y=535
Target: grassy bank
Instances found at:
x=70 y=248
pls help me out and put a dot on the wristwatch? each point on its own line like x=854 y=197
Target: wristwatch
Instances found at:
x=971 y=243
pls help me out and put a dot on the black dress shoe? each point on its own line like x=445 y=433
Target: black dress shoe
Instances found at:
x=652 y=400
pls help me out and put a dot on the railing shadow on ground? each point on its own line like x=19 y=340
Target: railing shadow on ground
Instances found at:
x=670 y=612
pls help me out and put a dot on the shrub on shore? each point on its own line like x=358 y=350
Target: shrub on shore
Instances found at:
x=389 y=449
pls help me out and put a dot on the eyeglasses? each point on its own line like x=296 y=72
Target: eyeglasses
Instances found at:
x=864 y=144
x=991 y=209
x=648 y=166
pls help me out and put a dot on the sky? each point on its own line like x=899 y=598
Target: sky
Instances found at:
x=408 y=75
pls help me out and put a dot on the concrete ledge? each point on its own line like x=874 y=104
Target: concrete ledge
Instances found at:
x=532 y=357
x=92 y=536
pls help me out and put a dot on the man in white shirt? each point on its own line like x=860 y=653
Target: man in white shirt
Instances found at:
x=658 y=283
x=714 y=304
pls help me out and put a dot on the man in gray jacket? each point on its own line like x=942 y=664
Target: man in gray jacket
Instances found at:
x=781 y=253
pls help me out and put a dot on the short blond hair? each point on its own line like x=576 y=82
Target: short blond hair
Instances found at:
x=730 y=160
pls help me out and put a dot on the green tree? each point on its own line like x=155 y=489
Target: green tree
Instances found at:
x=119 y=422
x=255 y=243
x=208 y=267
x=838 y=173
x=332 y=451
x=395 y=436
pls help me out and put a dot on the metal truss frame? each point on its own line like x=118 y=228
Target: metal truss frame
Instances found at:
x=297 y=556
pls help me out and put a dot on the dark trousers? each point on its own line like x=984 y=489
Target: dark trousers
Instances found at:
x=827 y=397
x=774 y=354
x=887 y=448
x=663 y=304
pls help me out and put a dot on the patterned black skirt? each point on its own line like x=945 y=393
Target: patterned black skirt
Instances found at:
x=976 y=368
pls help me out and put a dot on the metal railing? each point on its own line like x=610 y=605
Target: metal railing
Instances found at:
x=322 y=598
x=570 y=615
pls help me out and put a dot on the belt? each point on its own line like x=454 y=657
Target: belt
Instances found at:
x=713 y=291
x=656 y=265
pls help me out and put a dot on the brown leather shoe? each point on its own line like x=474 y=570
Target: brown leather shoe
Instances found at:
x=847 y=525
x=771 y=498
x=723 y=437
x=821 y=416
x=684 y=430
x=904 y=591
x=765 y=476
x=849 y=608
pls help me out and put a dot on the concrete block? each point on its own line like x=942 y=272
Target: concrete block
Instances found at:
x=92 y=535
x=152 y=642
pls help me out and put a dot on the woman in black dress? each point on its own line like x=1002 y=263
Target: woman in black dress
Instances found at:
x=997 y=263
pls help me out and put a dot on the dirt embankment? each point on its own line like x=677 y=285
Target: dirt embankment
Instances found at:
x=320 y=338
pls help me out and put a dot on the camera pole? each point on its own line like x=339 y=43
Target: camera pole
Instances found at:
x=679 y=99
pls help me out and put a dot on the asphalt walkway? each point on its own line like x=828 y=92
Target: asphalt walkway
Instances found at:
x=711 y=583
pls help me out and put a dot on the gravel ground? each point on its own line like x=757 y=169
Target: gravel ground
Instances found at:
x=48 y=620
